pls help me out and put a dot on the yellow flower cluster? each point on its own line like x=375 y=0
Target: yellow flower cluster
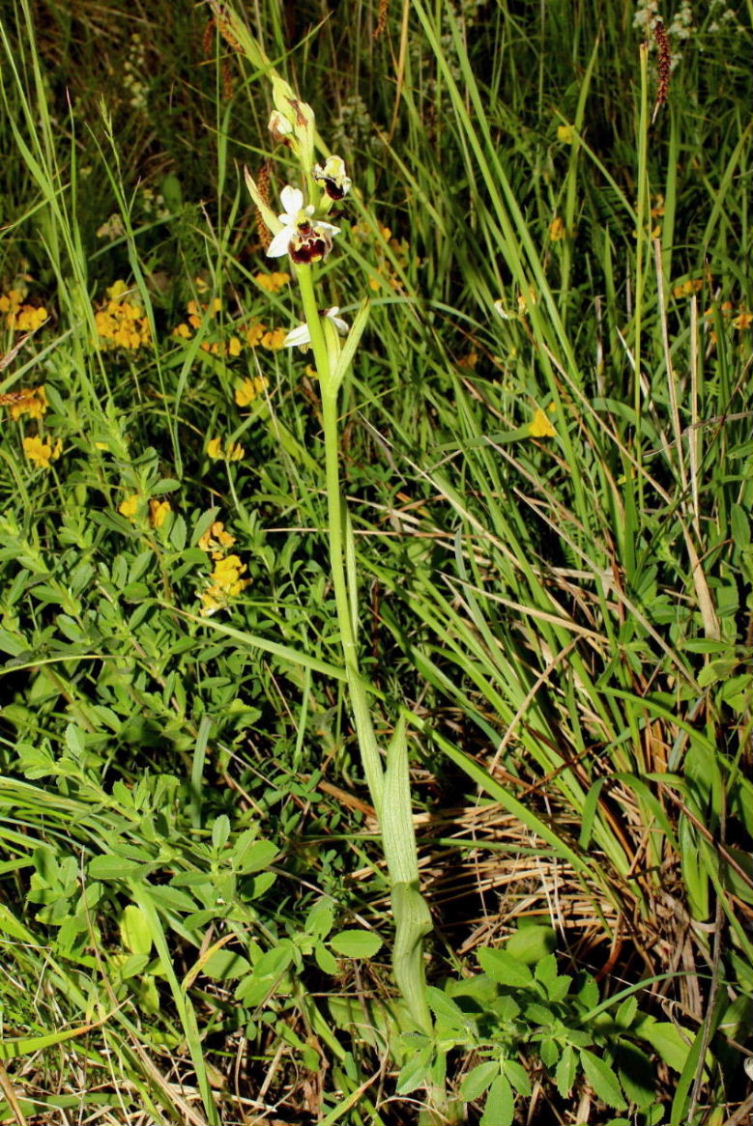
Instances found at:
x=28 y=400
x=250 y=390
x=20 y=317
x=234 y=451
x=159 y=510
x=215 y=540
x=131 y=507
x=121 y=323
x=32 y=401
x=252 y=334
x=41 y=452
x=226 y=581
x=688 y=288
x=526 y=300
x=738 y=316
x=272 y=283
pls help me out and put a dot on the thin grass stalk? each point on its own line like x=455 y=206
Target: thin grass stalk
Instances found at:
x=641 y=254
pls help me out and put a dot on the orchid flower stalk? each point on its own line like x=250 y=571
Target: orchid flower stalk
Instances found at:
x=302 y=232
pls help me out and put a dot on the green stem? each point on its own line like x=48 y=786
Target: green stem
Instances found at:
x=412 y=916
x=359 y=700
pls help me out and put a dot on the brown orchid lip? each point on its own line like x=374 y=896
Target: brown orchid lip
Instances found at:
x=310 y=249
x=334 y=190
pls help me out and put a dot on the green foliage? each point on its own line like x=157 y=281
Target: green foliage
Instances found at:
x=548 y=467
x=521 y=1016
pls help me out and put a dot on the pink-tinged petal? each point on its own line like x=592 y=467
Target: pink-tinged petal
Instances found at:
x=281 y=242
x=291 y=199
x=298 y=336
x=341 y=325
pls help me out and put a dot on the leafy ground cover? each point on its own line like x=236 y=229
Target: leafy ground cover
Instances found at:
x=375 y=736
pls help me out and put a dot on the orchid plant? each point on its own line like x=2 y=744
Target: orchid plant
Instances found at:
x=303 y=233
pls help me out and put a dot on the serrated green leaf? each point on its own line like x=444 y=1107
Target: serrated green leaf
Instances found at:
x=530 y=944
x=666 y=1039
x=499 y=1109
x=564 y=1077
x=326 y=961
x=505 y=969
x=627 y=1011
x=518 y=1077
x=320 y=919
x=478 y=1080
x=603 y=1080
x=637 y=1075
x=449 y=1014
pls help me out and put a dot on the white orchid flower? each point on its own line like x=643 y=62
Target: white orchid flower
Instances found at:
x=292 y=200
x=300 y=337
x=300 y=237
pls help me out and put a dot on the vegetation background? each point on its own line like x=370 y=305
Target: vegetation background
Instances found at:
x=546 y=444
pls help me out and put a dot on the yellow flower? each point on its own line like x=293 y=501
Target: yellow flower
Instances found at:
x=159 y=510
x=130 y=506
x=743 y=320
x=234 y=346
x=29 y=400
x=227 y=574
x=469 y=362
x=254 y=333
x=272 y=283
x=250 y=389
x=233 y=452
x=275 y=339
x=18 y=317
x=688 y=288
x=226 y=582
x=122 y=324
x=28 y=318
x=215 y=348
x=117 y=290
x=42 y=452
x=526 y=300
x=215 y=540
x=541 y=427
x=566 y=134
x=182 y=331
x=557 y=230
